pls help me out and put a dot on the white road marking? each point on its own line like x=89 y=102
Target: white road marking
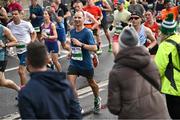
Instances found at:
x=88 y=94
x=88 y=89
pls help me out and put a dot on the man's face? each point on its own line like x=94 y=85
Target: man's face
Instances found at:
x=16 y=15
x=78 y=6
x=78 y=19
x=89 y=2
x=136 y=20
x=120 y=6
x=168 y=5
x=57 y=1
x=11 y=1
x=33 y=2
x=148 y=16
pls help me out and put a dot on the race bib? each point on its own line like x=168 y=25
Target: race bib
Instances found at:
x=77 y=53
x=37 y=29
x=118 y=28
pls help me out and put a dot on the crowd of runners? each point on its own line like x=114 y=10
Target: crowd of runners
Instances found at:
x=77 y=30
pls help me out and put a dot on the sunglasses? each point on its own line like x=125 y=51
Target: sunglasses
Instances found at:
x=135 y=18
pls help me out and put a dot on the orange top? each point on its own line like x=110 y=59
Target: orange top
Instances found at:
x=173 y=10
x=94 y=10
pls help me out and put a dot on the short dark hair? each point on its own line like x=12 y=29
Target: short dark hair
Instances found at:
x=37 y=54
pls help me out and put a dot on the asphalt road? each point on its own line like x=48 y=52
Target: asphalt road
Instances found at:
x=8 y=104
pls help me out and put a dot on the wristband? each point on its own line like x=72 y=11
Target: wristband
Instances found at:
x=82 y=45
x=6 y=45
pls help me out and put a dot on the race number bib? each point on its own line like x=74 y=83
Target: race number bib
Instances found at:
x=77 y=53
x=118 y=28
x=37 y=29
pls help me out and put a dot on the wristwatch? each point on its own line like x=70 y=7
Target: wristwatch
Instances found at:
x=6 y=45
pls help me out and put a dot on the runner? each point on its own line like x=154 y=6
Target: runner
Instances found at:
x=58 y=19
x=146 y=36
x=49 y=34
x=24 y=33
x=91 y=23
x=121 y=19
x=105 y=7
x=97 y=13
x=5 y=36
x=66 y=12
x=80 y=63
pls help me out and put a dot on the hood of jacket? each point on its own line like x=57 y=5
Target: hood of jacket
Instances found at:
x=53 y=80
x=135 y=57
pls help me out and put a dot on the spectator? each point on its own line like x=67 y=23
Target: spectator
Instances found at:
x=130 y=95
x=168 y=63
x=48 y=94
x=36 y=17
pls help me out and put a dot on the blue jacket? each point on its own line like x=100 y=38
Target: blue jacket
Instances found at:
x=38 y=11
x=48 y=95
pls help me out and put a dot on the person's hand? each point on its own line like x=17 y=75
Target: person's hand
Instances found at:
x=1 y=44
x=76 y=42
x=111 y=27
x=33 y=16
x=69 y=55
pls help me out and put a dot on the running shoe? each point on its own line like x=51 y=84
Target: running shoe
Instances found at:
x=97 y=105
x=99 y=51
x=82 y=111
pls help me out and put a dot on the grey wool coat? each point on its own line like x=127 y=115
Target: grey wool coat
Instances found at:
x=130 y=96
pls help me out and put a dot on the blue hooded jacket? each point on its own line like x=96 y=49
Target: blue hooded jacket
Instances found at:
x=48 y=95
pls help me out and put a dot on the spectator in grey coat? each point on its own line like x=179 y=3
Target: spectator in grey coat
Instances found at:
x=130 y=95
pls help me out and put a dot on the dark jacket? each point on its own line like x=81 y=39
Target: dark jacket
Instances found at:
x=130 y=96
x=38 y=11
x=48 y=95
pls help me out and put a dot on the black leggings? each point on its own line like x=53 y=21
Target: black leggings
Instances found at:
x=173 y=104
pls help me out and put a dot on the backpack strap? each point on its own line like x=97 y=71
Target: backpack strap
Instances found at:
x=169 y=73
x=178 y=50
x=149 y=79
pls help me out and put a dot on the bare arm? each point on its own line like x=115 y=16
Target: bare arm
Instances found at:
x=151 y=37
x=4 y=14
x=84 y=46
x=54 y=36
x=107 y=7
x=68 y=14
x=10 y=37
x=33 y=36
x=96 y=23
